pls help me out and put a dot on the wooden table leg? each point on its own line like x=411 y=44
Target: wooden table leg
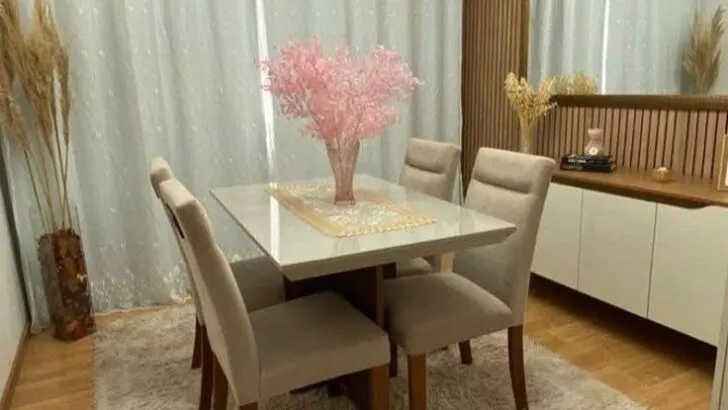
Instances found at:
x=364 y=289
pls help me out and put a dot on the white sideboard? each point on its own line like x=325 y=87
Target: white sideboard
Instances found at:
x=660 y=262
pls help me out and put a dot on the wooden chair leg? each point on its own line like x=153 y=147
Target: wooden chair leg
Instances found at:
x=221 y=386
x=197 y=348
x=466 y=354
x=207 y=371
x=251 y=406
x=379 y=388
x=393 y=370
x=515 y=362
x=417 y=375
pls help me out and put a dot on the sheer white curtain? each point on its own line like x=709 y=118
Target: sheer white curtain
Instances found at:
x=646 y=39
x=566 y=37
x=150 y=77
x=177 y=78
x=428 y=35
x=631 y=46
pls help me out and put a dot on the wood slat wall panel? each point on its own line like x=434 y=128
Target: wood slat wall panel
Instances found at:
x=493 y=39
x=685 y=141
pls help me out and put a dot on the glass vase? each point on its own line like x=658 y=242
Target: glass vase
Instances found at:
x=343 y=154
x=527 y=129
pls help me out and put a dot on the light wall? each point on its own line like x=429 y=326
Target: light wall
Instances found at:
x=12 y=309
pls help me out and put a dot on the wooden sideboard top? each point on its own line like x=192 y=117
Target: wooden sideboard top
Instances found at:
x=686 y=192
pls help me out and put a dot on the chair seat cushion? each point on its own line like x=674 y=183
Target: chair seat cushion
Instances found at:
x=313 y=339
x=260 y=282
x=426 y=312
x=411 y=267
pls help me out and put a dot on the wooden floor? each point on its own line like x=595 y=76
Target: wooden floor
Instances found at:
x=653 y=365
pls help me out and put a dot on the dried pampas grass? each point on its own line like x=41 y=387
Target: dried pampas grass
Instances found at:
x=529 y=103
x=701 y=59
x=40 y=64
x=583 y=84
x=561 y=85
x=580 y=84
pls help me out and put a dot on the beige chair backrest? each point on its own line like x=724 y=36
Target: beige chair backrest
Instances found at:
x=510 y=186
x=226 y=318
x=430 y=167
x=160 y=171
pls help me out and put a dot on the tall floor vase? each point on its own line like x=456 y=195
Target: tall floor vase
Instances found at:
x=65 y=282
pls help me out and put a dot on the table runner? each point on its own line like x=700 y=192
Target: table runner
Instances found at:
x=372 y=213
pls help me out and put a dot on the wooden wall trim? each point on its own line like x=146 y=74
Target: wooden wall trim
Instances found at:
x=664 y=102
x=525 y=21
x=685 y=141
x=495 y=42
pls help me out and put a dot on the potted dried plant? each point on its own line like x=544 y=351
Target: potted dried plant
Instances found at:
x=40 y=128
x=529 y=104
x=701 y=59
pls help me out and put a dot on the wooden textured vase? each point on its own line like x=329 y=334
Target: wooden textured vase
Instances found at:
x=66 y=284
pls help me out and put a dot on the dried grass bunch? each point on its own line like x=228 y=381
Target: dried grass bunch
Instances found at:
x=561 y=85
x=39 y=61
x=583 y=84
x=580 y=84
x=529 y=103
x=701 y=59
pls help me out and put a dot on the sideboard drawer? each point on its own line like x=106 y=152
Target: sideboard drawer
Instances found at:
x=616 y=250
x=557 y=243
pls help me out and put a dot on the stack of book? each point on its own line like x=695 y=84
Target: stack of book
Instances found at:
x=589 y=163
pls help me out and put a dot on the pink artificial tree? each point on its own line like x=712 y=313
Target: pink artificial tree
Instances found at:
x=342 y=100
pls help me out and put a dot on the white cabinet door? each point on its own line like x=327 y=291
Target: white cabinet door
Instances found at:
x=557 y=245
x=616 y=250
x=689 y=270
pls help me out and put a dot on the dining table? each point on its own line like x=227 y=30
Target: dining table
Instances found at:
x=352 y=249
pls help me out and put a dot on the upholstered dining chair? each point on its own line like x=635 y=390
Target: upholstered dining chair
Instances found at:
x=429 y=167
x=487 y=290
x=276 y=349
x=257 y=278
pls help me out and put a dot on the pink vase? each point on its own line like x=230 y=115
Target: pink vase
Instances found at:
x=343 y=154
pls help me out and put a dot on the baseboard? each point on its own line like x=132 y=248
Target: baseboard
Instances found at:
x=14 y=375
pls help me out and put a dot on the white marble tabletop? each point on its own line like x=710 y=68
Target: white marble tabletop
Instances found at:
x=301 y=251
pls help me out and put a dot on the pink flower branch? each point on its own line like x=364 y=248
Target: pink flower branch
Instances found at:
x=339 y=97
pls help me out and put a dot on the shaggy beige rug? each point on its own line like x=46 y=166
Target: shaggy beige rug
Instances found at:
x=144 y=363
